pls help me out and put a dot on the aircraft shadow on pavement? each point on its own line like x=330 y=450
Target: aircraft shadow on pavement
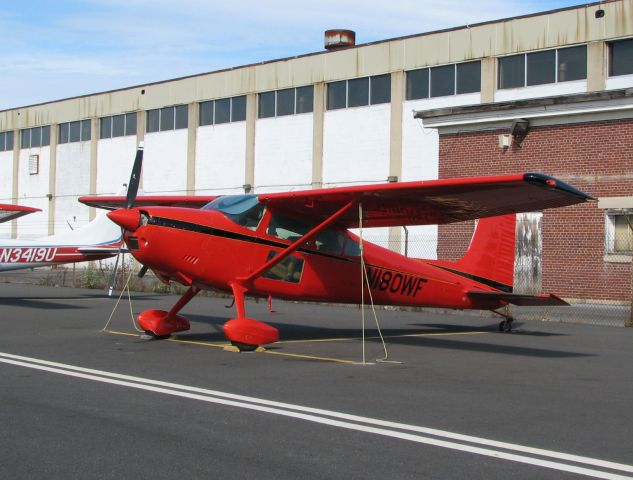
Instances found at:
x=42 y=303
x=393 y=336
x=517 y=327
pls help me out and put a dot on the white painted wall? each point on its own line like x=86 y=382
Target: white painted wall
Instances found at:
x=165 y=163
x=621 y=81
x=6 y=188
x=537 y=91
x=32 y=191
x=220 y=159
x=283 y=153
x=356 y=145
x=72 y=180
x=420 y=161
x=115 y=157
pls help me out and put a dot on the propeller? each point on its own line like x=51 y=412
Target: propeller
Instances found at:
x=135 y=178
x=132 y=191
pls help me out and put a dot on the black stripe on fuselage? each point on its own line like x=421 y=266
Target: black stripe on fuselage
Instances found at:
x=486 y=281
x=216 y=232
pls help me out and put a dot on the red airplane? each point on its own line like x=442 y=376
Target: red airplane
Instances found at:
x=296 y=245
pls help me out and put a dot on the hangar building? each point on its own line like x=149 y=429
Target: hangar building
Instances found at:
x=346 y=116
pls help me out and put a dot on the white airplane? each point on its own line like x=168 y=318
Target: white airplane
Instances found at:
x=99 y=239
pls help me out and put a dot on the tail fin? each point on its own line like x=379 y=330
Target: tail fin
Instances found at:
x=490 y=256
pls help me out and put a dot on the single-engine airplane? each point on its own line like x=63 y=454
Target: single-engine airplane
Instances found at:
x=297 y=245
x=97 y=240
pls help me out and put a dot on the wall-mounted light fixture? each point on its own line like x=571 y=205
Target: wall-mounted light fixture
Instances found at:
x=247 y=187
x=519 y=130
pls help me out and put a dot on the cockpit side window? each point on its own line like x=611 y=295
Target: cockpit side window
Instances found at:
x=287 y=228
x=245 y=210
x=352 y=248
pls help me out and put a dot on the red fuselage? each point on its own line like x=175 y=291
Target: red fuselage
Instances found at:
x=208 y=250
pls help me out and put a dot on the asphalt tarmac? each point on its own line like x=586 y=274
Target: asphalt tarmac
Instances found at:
x=455 y=398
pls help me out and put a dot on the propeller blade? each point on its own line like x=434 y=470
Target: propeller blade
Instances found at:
x=135 y=178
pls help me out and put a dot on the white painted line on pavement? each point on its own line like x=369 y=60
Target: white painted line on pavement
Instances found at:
x=319 y=416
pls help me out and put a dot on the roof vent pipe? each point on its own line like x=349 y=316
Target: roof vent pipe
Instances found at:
x=335 y=39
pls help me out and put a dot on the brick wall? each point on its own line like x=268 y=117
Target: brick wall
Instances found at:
x=595 y=157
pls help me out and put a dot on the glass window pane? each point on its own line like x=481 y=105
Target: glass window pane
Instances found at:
x=358 y=92
x=572 y=63
x=511 y=71
x=238 y=108
x=541 y=67
x=36 y=137
x=621 y=58
x=305 y=99
x=152 y=121
x=380 y=89
x=166 y=118
x=182 y=116
x=86 y=130
x=2 y=142
x=105 y=129
x=25 y=138
x=62 y=135
x=443 y=81
x=9 y=140
x=223 y=110
x=205 y=113
x=417 y=84
x=130 y=123
x=266 y=107
x=469 y=77
x=73 y=133
x=118 y=125
x=336 y=95
x=46 y=136
x=286 y=102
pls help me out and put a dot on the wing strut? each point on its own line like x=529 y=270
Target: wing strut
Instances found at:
x=294 y=246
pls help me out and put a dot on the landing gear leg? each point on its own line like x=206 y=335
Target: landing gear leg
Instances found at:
x=161 y=324
x=244 y=333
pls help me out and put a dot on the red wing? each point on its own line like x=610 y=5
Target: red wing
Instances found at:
x=114 y=202
x=430 y=202
x=11 y=212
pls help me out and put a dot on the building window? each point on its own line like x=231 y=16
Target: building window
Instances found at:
x=545 y=67
x=336 y=95
x=572 y=63
x=619 y=233
x=35 y=137
x=167 y=118
x=288 y=101
x=6 y=141
x=223 y=110
x=73 y=132
x=117 y=126
x=468 y=77
x=621 y=58
x=443 y=80
x=358 y=92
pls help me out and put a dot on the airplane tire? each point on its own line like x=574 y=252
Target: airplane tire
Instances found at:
x=245 y=347
x=505 y=326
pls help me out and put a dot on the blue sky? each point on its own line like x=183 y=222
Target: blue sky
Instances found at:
x=53 y=50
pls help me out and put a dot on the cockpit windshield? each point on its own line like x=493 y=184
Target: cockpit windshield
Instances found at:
x=245 y=210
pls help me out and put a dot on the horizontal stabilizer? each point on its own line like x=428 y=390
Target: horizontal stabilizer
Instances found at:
x=519 y=299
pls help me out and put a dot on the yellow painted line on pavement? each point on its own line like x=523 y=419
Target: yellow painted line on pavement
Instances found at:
x=298 y=355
